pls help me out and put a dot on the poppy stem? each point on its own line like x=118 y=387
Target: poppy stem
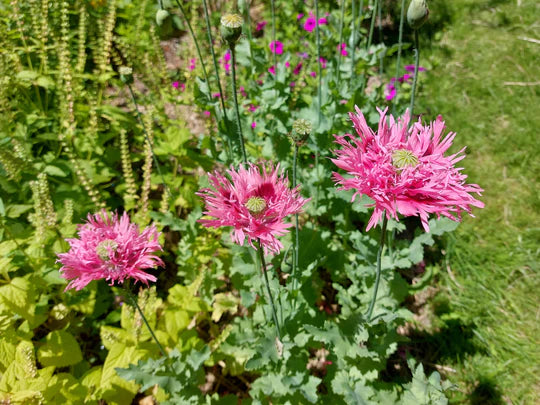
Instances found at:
x=221 y=94
x=136 y=305
x=297 y=242
x=416 y=64
x=400 y=46
x=378 y=270
x=237 y=111
x=271 y=298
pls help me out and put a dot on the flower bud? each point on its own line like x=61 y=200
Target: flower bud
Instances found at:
x=231 y=28
x=126 y=74
x=417 y=13
x=161 y=16
x=301 y=130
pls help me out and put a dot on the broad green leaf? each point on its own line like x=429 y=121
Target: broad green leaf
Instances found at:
x=224 y=302
x=19 y=297
x=60 y=350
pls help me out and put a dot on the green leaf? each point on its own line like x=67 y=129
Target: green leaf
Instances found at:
x=60 y=350
x=224 y=302
x=19 y=297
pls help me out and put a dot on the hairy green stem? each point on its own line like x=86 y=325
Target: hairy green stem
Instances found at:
x=378 y=274
x=400 y=46
x=353 y=50
x=236 y=109
x=372 y=24
x=341 y=17
x=415 y=77
x=274 y=37
x=136 y=305
x=296 y=236
x=158 y=167
x=271 y=298
x=196 y=43
x=221 y=95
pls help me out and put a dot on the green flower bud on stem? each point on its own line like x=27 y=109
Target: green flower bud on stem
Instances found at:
x=126 y=74
x=417 y=13
x=301 y=130
x=161 y=16
x=231 y=28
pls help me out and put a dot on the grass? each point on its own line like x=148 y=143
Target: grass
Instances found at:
x=484 y=80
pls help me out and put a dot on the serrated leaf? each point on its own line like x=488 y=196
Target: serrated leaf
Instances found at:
x=60 y=350
x=19 y=297
x=224 y=302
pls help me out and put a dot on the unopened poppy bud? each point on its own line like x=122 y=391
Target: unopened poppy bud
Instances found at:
x=301 y=130
x=126 y=74
x=417 y=13
x=161 y=16
x=231 y=28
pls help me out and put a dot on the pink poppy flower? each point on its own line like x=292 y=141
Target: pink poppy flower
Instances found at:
x=404 y=170
x=254 y=201
x=276 y=47
x=110 y=248
x=260 y=26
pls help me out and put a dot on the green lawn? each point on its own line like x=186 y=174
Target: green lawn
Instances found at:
x=485 y=81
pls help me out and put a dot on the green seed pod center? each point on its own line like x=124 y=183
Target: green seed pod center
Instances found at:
x=103 y=249
x=402 y=158
x=256 y=205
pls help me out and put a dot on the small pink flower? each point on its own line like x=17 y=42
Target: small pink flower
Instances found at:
x=297 y=69
x=313 y=74
x=175 y=84
x=207 y=113
x=292 y=84
x=303 y=55
x=243 y=91
x=215 y=95
x=287 y=64
x=192 y=64
x=254 y=201
x=343 y=101
x=182 y=86
x=253 y=125
x=390 y=91
x=276 y=47
x=260 y=26
x=252 y=108
x=311 y=22
x=323 y=62
x=225 y=61
x=272 y=69
x=410 y=68
x=404 y=170
x=299 y=16
x=342 y=48
x=110 y=248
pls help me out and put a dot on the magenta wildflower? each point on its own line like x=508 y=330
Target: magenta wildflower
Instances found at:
x=292 y=84
x=207 y=113
x=288 y=64
x=410 y=68
x=404 y=170
x=215 y=95
x=272 y=69
x=343 y=49
x=175 y=84
x=254 y=201
x=252 y=107
x=192 y=64
x=299 y=16
x=242 y=91
x=297 y=69
x=276 y=47
x=323 y=62
x=311 y=22
x=253 y=125
x=225 y=61
x=260 y=26
x=313 y=74
x=110 y=248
